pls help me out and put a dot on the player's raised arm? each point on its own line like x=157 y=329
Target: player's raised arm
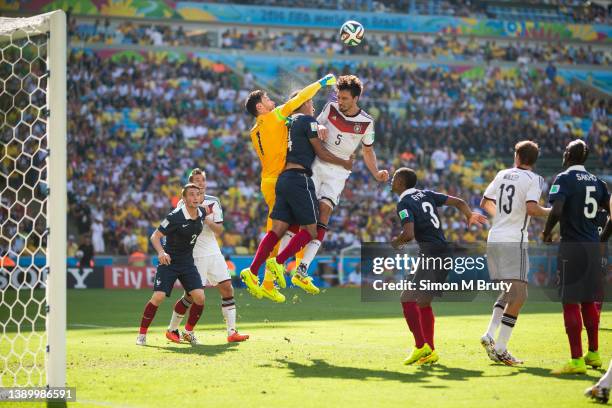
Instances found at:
x=471 y=217
x=305 y=94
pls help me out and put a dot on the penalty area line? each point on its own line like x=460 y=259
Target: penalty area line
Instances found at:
x=93 y=326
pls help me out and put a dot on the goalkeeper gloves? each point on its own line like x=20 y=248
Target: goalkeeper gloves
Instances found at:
x=328 y=80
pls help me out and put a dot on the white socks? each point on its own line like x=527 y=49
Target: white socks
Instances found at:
x=285 y=241
x=175 y=321
x=228 y=308
x=310 y=252
x=505 y=331
x=498 y=311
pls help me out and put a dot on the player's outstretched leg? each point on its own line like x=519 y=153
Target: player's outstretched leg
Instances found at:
x=178 y=312
x=573 y=328
x=195 y=311
x=148 y=315
x=600 y=392
x=276 y=265
x=301 y=278
x=228 y=309
x=590 y=317
x=249 y=275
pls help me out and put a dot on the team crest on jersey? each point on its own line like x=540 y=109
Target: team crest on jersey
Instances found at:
x=357 y=128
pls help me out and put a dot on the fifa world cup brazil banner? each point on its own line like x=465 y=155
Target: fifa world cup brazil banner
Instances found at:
x=313 y=18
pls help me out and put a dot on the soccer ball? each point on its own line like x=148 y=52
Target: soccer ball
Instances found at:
x=351 y=33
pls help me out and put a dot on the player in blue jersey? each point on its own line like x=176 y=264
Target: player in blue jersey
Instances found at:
x=181 y=228
x=296 y=204
x=575 y=196
x=418 y=213
x=601 y=391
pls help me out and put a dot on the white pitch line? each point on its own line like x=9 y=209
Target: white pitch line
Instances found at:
x=94 y=326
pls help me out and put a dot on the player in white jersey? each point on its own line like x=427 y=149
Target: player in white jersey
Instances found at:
x=348 y=127
x=511 y=199
x=211 y=265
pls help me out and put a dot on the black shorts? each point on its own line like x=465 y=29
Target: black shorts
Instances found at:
x=186 y=273
x=433 y=269
x=296 y=201
x=580 y=274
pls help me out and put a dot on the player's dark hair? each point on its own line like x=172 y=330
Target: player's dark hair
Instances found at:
x=252 y=100
x=186 y=188
x=577 y=152
x=527 y=152
x=407 y=176
x=349 y=83
x=195 y=172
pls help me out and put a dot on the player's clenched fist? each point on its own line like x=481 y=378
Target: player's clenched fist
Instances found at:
x=164 y=258
x=382 y=176
x=328 y=80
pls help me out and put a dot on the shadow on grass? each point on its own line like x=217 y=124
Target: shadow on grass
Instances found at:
x=322 y=369
x=202 y=349
x=546 y=372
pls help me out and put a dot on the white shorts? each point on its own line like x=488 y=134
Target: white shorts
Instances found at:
x=329 y=180
x=212 y=268
x=507 y=261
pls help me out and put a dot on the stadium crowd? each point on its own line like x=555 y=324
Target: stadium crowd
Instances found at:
x=137 y=125
x=390 y=45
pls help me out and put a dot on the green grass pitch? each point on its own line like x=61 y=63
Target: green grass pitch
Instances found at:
x=313 y=351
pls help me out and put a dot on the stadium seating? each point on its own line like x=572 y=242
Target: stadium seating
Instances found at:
x=194 y=117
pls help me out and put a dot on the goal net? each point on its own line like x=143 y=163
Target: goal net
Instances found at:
x=33 y=200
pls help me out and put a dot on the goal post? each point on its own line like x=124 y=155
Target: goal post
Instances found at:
x=57 y=204
x=33 y=200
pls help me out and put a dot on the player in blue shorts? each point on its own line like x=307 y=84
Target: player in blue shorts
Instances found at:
x=181 y=228
x=418 y=213
x=575 y=196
